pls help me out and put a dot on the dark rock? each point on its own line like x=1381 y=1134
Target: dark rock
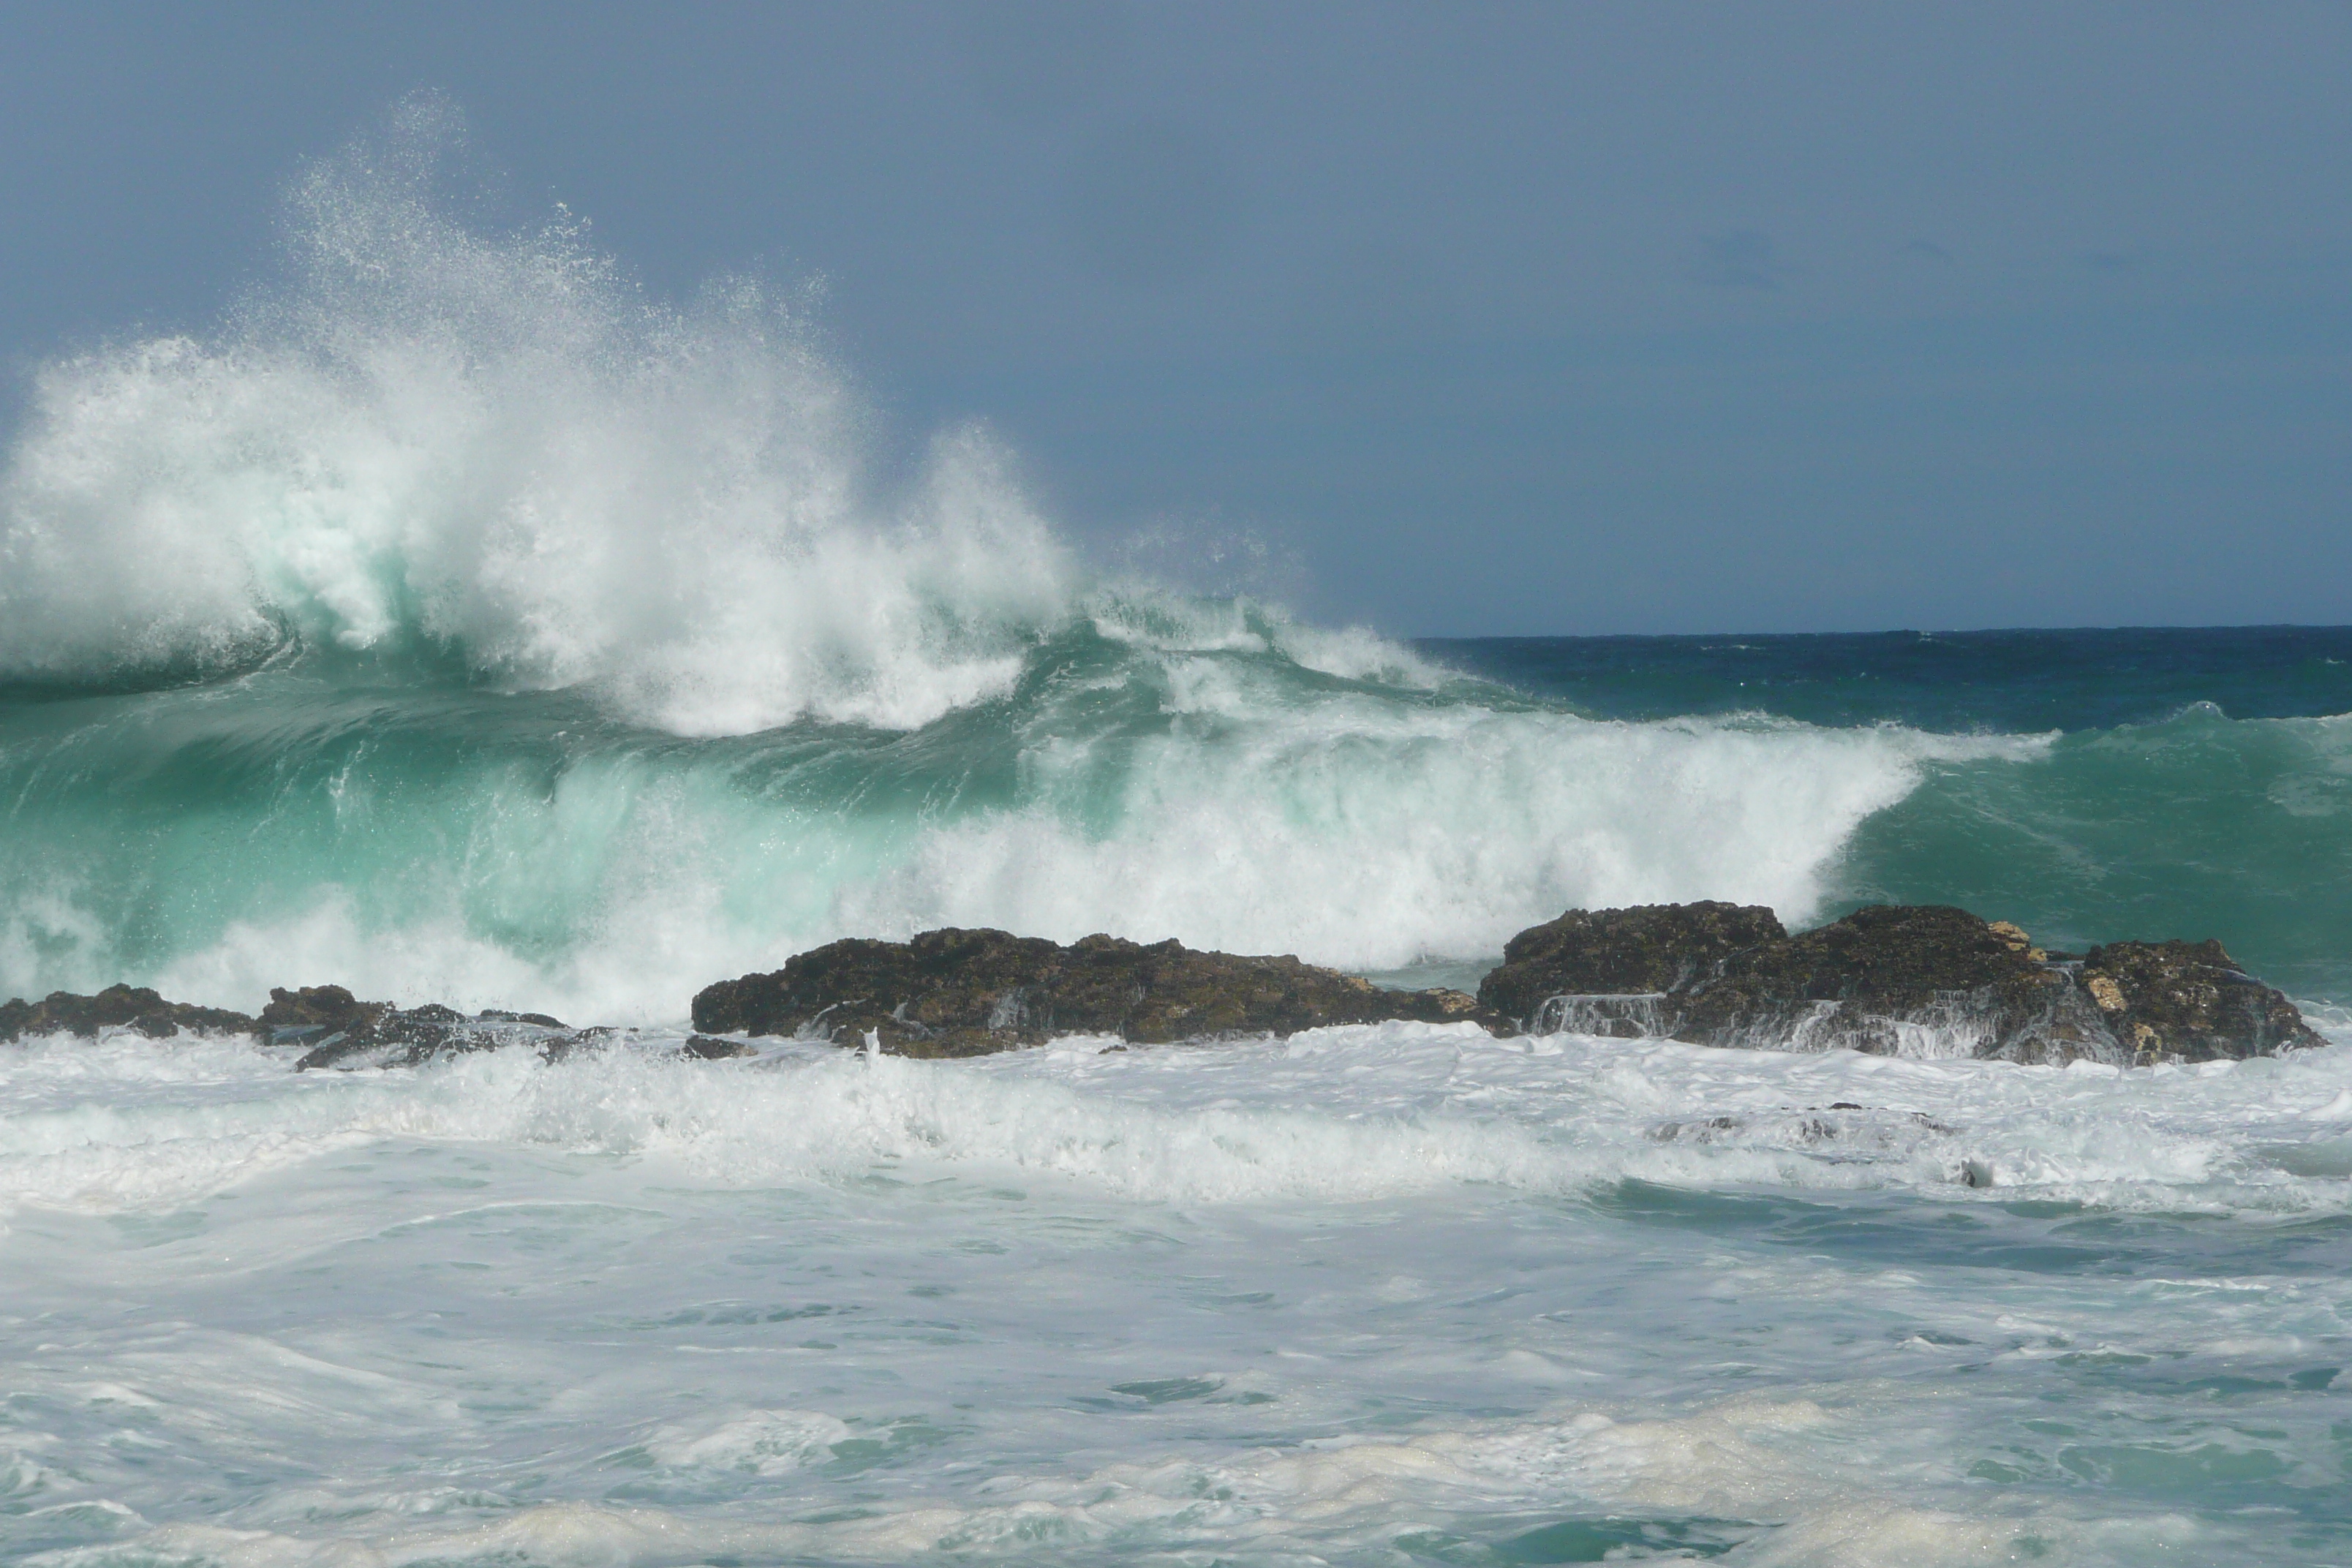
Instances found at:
x=116 y=1007
x=382 y=1035
x=314 y=1010
x=379 y=1034
x=1898 y=980
x=2188 y=1001
x=1890 y=980
x=710 y=1048
x=968 y=992
x=1618 y=956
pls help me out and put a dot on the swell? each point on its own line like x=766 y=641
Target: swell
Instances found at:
x=2196 y=825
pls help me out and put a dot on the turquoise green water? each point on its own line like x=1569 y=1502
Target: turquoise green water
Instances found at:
x=411 y=824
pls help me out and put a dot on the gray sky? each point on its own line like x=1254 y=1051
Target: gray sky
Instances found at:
x=1549 y=319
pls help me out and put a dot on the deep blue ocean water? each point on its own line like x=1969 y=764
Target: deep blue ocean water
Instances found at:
x=2085 y=678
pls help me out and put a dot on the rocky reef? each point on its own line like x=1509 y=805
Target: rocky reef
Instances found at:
x=968 y=992
x=1908 y=980
x=335 y=1029
x=116 y=1007
x=1620 y=956
x=1894 y=980
x=2189 y=1000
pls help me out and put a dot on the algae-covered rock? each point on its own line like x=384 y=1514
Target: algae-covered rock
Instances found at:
x=1617 y=956
x=135 y=1008
x=968 y=992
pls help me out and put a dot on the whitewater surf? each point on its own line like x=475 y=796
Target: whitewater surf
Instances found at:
x=458 y=622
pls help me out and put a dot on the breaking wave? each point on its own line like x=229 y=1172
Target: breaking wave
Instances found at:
x=494 y=446
x=457 y=620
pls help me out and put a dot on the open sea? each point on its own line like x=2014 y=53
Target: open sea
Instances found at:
x=456 y=624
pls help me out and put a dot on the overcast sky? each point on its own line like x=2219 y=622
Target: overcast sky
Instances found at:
x=1508 y=319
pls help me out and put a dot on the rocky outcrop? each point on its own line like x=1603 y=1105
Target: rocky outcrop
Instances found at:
x=2190 y=1001
x=1923 y=979
x=315 y=1012
x=1917 y=980
x=1896 y=980
x=1624 y=957
x=332 y=1028
x=968 y=992
x=135 y=1008
x=342 y=1031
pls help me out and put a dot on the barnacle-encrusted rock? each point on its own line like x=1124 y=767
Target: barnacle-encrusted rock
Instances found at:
x=2189 y=1000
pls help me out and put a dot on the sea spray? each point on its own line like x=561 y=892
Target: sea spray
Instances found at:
x=495 y=445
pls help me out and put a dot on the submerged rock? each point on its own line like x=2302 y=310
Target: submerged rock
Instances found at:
x=710 y=1048
x=354 y=1034
x=1908 y=980
x=345 y=1032
x=135 y=1008
x=968 y=992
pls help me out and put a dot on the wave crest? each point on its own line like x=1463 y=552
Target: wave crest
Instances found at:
x=497 y=444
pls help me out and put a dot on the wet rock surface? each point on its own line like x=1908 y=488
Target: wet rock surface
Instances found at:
x=315 y=1012
x=1898 y=980
x=332 y=1028
x=1620 y=955
x=2189 y=1000
x=116 y=1007
x=968 y=992
x=343 y=1032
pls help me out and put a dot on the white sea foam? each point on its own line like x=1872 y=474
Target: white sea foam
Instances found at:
x=1371 y=834
x=1342 y=1115
x=1368 y=1291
